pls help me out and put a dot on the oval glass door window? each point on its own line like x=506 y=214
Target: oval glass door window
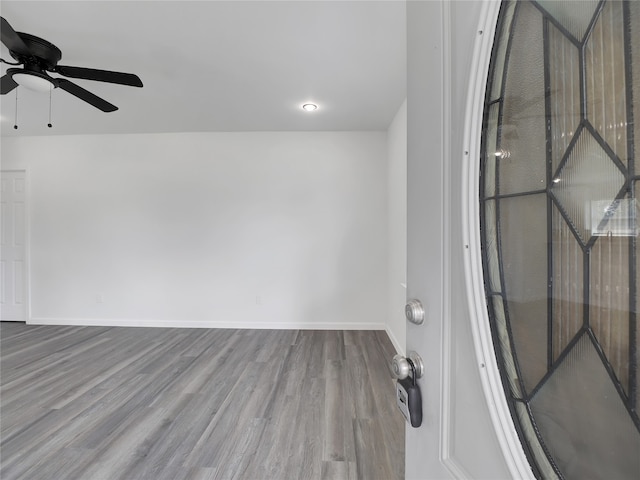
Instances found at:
x=559 y=193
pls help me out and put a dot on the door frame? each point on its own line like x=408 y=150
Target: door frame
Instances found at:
x=492 y=386
x=27 y=236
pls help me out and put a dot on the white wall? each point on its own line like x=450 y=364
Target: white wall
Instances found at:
x=397 y=201
x=270 y=230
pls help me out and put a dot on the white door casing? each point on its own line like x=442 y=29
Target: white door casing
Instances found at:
x=448 y=50
x=13 y=270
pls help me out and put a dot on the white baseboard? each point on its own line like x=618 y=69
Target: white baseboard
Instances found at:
x=399 y=347
x=119 y=322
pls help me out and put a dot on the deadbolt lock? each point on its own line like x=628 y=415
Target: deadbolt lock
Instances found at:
x=414 y=311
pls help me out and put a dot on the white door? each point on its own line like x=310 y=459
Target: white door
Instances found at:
x=12 y=247
x=457 y=438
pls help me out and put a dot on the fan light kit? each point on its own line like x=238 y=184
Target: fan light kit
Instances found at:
x=38 y=57
x=309 y=107
x=31 y=81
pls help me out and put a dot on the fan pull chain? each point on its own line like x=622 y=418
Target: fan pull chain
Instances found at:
x=15 y=123
x=50 y=90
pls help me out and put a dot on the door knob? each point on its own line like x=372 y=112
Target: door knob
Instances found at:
x=402 y=367
x=414 y=311
x=408 y=397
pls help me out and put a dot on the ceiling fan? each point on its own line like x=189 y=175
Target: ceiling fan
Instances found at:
x=38 y=57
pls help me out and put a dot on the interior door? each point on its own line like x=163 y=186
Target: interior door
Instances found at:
x=12 y=246
x=457 y=438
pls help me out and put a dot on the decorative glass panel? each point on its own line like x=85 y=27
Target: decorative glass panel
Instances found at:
x=522 y=167
x=564 y=80
x=634 y=34
x=574 y=20
x=560 y=231
x=524 y=249
x=588 y=178
x=634 y=327
x=568 y=285
x=492 y=146
x=546 y=469
x=609 y=295
x=584 y=421
x=499 y=58
x=605 y=78
x=492 y=246
x=505 y=340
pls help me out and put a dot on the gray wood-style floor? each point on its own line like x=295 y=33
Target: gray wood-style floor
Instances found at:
x=152 y=403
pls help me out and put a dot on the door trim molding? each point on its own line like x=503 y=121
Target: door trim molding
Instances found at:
x=447 y=456
x=485 y=354
x=27 y=240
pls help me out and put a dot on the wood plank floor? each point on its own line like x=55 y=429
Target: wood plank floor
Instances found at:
x=161 y=403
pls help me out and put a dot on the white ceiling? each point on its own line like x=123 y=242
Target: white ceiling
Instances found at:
x=217 y=65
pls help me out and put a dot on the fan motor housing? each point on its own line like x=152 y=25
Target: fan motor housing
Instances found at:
x=46 y=53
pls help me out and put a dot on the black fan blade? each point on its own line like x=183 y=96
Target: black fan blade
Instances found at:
x=7 y=84
x=85 y=95
x=100 y=75
x=12 y=40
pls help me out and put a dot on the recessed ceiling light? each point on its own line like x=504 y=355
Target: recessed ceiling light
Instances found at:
x=309 y=107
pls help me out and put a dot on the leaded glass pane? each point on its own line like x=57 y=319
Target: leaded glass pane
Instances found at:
x=568 y=285
x=605 y=78
x=493 y=261
x=564 y=79
x=609 y=302
x=499 y=58
x=634 y=319
x=505 y=340
x=492 y=156
x=574 y=20
x=584 y=421
x=587 y=179
x=524 y=249
x=533 y=441
x=522 y=130
x=634 y=48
